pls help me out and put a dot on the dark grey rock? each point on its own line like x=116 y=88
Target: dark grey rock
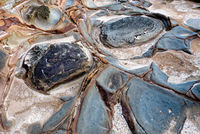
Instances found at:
x=129 y=30
x=51 y=64
x=144 y=3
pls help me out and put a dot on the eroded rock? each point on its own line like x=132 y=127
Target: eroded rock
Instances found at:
x=50 y=64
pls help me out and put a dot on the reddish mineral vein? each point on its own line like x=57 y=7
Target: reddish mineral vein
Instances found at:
x=6 y=23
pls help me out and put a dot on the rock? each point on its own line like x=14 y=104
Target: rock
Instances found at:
x=50 y=64
x=155 y=109
x=93 y=116
x=194 y=24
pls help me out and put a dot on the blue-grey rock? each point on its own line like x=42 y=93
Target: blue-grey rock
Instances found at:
x=137 y=72
x=60 y=132
x=93 y=118
x=129 y=115
x=175 y=39
x=69 y=3
x=116 y=7
x=180 y=32
x=6 y=123
x=65 y=125
x=155 y=108
x=172 y=43
x=144 y=3
x=147 y=54
x=3 y=58
x=112 y=79
x=34 y=129
x=66 y=98
x=194 y=24
x=59 y=117
x=161 y=78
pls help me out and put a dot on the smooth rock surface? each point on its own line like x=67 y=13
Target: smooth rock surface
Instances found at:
x=111 y=79
x=156 y=109
x=58 y=117
x=93 y=116
x=161 y=78
x=194 y=24
x=196 y=90
x=129 y=30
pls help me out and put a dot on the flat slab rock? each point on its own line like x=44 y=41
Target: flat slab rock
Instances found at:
x=152 y=109
x=93 y=116
x=155 y=108
x=194 y=24
x=178 y=38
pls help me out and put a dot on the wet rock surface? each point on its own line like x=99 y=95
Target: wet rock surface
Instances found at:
x=103 y=67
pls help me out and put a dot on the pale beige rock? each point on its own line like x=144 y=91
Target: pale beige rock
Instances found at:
x=119 y=123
